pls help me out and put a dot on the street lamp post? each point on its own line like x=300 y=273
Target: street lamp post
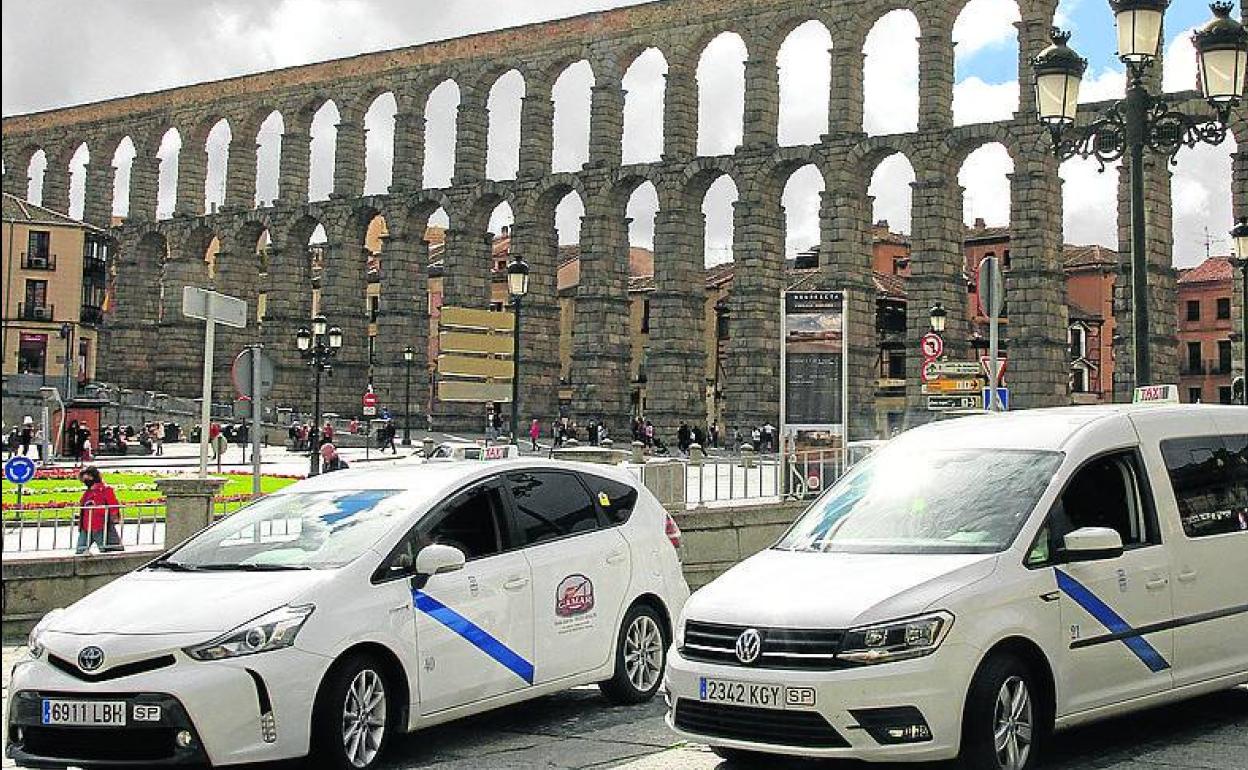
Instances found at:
x=409 y=353
x=938 y=316
x=517 y=287
x=318 y=347
x=1141 y=120
x=1239 y=237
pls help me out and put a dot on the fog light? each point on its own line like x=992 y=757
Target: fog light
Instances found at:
x=184 y=738
x=910 y=733
x=268 y=727
x=899 y=724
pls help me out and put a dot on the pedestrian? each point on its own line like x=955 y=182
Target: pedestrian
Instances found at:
x=327 y=451
x=27 y=434
x=85 y=456
x=327 y=433
x=99 y=514
x=535 y=430
x=388 y=432
x=334 y=463
x=683 y=438
x=39 y=442
x=12 y=441
x=156 y=435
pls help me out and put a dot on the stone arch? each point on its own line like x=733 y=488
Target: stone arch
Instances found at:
x=77 y=168
x=168 y=152
x=804 y=68
x=31 y=162
x=571 y=93
x=217 y=151
x=644 y=91
x=122 y=161
x=883 y=111
x=268 y=136
x=504 y=105
x=323 y=148
x=378 y=121
x=721 y=78
x=442 y=151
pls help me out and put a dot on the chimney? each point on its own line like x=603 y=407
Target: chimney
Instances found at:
x=980 y=224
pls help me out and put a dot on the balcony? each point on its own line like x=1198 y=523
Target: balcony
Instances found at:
x=92 y=316
x=28 y=312
x=38 y=261
x=94 y=268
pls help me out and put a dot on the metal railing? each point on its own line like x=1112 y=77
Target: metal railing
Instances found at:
x=57 y=531
x=747 y=477
x=38 y=261
x=28 y=312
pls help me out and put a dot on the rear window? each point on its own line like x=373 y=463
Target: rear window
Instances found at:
x=1210 y=479
x=615 y=498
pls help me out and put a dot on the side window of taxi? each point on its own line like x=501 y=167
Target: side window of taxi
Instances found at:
x=550 y=505
x=1106 y=492
x=472 y=521
x=1209 y=475
x=616 y=499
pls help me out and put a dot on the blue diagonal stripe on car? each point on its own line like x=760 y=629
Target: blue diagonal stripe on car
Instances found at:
x=475 y=635
x=1104 y=614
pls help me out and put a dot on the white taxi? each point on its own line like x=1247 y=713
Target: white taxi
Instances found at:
x=346 y=608
x=978 y=583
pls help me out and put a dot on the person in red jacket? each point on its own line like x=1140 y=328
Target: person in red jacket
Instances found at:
x=99 y=514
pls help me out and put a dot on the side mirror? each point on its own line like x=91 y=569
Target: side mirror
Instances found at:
x=1092 y=544
x=437 y=558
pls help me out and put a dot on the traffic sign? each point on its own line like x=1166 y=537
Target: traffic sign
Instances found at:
x=953 y=386
x=986 y=365
x=928 y=371
x=957 y=368
x=212 y=306
x=932 y=345
x=242 y=374
x=990 y=285
x=1003 y=398
x=369 y=399
x=947 y=403
x=19 y=469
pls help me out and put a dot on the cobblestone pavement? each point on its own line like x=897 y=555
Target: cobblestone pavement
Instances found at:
x=578 y=729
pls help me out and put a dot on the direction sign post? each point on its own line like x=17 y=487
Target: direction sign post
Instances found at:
x=991 y=289
x=254 y=375
x=212 y=308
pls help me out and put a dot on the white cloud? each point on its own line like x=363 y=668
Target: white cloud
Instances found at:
x=721 y=95
x=975 y=101
x=1179 y=65
x=1089 y=203
x=644 y=88
x=890 y=187
x=717 y=207
x=571 y=95
x=801 y=201
x=986 y=187
x=891 y=75
x=805 y=81
x=642 y=207
x=502 y=158
x=984 y=24
x=379 y=144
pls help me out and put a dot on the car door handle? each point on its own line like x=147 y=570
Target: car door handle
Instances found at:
x=1156 y=584
x=1188 y=576
x=400 y=608
x=516 y=583
x=615 y=557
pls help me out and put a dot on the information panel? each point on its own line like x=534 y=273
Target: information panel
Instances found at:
x=814 y=361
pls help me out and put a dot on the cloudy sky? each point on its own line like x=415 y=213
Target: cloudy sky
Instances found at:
x=52 y=58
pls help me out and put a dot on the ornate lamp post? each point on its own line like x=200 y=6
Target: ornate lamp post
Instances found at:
x=517 y=287
x=1141 y=120
x=409 y=353
x=318 y=347
x=938 y=316
x=1239 y=237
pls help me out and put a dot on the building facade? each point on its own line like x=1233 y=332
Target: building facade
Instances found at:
x=1206 y=332
x=55 y=272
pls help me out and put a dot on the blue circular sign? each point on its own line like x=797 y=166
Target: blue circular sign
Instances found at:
x=19 y=470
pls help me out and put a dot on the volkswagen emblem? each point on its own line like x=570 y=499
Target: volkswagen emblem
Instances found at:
x=749 y=645
x=91 y=658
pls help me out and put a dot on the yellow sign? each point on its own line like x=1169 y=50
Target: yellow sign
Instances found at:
x=467 y=342
x=475 y=366
x=471 y=318
x=953 y=386
x=474 y=392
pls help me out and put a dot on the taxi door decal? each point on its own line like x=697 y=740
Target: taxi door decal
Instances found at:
x=1119 y=629
x=475 y=635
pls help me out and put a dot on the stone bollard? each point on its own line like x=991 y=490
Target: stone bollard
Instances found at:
x=427 y=447
x=747 y=455
x=697 y=455
x=607 y=443
x=572 y=442
x=188 y=505
x=639 y=452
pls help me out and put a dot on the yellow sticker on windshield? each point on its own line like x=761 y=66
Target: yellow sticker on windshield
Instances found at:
x=603 y=500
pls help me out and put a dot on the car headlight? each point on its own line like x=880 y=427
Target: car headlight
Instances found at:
x=271 y=631
x=34 y=642
x=899 y=640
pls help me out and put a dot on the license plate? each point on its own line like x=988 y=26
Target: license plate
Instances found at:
x=91 y=713
x=772 y=696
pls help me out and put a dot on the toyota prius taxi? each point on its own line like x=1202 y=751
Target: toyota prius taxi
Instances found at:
x=978 y=583
x=327 y=617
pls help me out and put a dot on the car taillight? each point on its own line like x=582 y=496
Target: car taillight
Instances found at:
x=673 y=531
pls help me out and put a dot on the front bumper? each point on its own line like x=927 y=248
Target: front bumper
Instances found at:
x=837 y=726
x=221 y=703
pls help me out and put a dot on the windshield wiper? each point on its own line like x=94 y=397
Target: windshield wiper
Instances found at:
x=175 y=566
x=254 y=567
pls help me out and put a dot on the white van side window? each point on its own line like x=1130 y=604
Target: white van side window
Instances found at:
x=1209 y=475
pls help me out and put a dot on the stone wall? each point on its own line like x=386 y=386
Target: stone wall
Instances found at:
x=150 y=346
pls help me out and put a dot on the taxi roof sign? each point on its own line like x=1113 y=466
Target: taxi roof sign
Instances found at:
x=1157 y=394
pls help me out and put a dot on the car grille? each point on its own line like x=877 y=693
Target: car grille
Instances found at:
x=783 y=648
x=782 y=728
x=116 y=672
x=100 y=744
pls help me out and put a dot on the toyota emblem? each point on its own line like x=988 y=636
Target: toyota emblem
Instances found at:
x=90 y=658
x=749 y=645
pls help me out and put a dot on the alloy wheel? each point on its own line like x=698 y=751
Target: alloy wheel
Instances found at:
x=1013 y=724
x=643 y=653
x=364 y=718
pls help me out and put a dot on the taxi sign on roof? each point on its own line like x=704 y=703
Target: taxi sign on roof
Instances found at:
x=1157 y=394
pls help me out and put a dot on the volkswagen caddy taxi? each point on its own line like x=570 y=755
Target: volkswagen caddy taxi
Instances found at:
x=351 y=606
x=978 y=583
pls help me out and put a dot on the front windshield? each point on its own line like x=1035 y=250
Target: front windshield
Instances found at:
x=930 y=501
x=298 y=530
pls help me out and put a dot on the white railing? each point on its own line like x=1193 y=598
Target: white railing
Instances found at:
x=743 y=478
x=57 y=531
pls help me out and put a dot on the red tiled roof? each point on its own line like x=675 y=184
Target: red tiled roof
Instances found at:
x=1212 y=270
x=1088 y=256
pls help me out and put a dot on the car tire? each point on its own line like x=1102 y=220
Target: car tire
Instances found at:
x=1003 y=724
x=640 y=657
x=344 y=736
x=744 y=757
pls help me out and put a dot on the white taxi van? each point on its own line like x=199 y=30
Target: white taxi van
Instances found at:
x=978 y=583
x=345 y=608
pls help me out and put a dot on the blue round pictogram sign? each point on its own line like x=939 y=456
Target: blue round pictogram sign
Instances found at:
x=19 y=470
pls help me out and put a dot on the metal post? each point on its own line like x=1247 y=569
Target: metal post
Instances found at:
x=314 y=438
x=1136 y=122
x=205 y=407
x=515 y=373
x=1243 y=317
x=256 y=406
x=407 y=402
x=69 y=344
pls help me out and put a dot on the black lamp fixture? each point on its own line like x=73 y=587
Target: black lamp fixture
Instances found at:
x=318 y=347
x=938 y=316
x=409 y=355
x=517 y=287
x=1141 y=120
